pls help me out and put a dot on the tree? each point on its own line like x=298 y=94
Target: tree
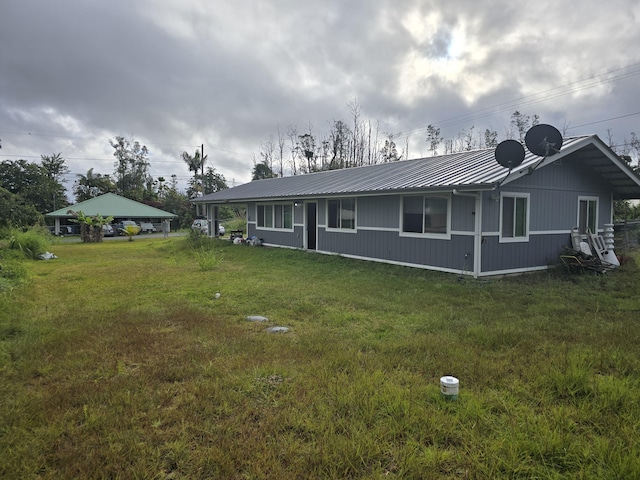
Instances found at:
x=522 y=123
x=33 y=183
x=92 y=185
x=213 y=181
x=131 y=167
x=433 y=139
x=14 y=211
x=338 y=145
x=389 y=152
x=261 y=171
x=90 y=225
x=178 y=203
x=267 y=152
x=282 y=143
x=490 y=138
x=307 y=147
x=195 y=164
x=292 y=137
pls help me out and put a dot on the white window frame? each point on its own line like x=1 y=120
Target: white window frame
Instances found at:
x=587 y=199
x=270 y=223
x=341 y=220
x=441 y=236
x=515 y=196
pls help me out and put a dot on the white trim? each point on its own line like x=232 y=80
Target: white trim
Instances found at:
x=401 y=264
x=515 y=195
x=355 y=215
x=379 y=229
x=273 y=216
x=589 y=198
x=462 y=233
x=418 y=265
x=550 y=232
x=430 y=235
x=515 y=271
x=532 y=233
x=477 y=242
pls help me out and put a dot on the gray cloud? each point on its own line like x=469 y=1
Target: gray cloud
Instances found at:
x=179 y=73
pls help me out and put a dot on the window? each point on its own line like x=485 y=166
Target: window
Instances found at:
x=341 y=214
x=425 y=214
x=588 y=214
x=277 y=216
x=514 y=217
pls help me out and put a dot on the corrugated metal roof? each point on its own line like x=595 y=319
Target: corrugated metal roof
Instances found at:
x=475 y=169
x=113 y=205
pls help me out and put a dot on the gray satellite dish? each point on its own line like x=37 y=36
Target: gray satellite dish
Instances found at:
x=509 y=154
x=543 y=140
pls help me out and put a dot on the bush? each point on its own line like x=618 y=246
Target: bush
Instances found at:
x=30 y=243
x=236 y=224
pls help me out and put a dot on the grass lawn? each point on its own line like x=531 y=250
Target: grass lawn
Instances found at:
x=117 y=361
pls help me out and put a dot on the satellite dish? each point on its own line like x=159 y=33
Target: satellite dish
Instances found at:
x=509 y=154
x=543 y=140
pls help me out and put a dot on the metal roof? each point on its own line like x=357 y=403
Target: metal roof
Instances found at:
x=113 y=205
x=470 y=170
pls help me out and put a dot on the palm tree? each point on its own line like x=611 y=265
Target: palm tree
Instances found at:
x=92 y=185
x=195 y=163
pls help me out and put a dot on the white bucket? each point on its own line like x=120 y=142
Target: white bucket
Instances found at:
x=449 y=387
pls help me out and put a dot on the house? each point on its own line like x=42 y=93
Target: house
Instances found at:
x=112 y=205
x=461 y=213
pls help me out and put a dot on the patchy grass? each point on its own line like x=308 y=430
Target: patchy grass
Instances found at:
x=118 y=361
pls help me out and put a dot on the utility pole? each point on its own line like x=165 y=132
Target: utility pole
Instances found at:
x=202 y=166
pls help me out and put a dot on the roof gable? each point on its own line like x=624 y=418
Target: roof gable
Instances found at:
x=112 y=205
x=470 y=170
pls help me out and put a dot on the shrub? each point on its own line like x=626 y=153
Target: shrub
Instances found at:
x=30 y=243
x=236 y=224
x=207 y=259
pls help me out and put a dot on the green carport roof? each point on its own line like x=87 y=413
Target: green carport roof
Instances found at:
x=112 y=205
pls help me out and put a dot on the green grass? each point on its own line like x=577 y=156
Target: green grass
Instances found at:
x=117 y=361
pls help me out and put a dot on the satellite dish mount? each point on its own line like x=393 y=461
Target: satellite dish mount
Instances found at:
x=541 y=140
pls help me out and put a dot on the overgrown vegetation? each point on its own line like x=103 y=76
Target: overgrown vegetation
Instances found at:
x=27 y=243
x=157 y=377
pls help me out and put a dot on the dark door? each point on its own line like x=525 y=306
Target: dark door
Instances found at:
x=312 y=225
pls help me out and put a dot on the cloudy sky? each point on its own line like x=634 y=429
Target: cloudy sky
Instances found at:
x=175 y=74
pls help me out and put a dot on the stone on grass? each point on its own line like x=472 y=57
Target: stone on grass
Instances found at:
x=277 y=329
x=257 y=318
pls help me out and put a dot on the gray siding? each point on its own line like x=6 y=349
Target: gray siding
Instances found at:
x=379 y=212
x=554 y=192
x=293 y=239
x=539 y=251
x=553 y=206
x=385 y=245
x=463 y=214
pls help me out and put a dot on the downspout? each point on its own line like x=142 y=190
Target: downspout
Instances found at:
x=477 y=233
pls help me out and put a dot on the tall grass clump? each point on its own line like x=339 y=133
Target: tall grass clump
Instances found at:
x=29 y=243
x=237 y=223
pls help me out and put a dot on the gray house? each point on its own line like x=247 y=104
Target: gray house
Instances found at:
x=459 y=213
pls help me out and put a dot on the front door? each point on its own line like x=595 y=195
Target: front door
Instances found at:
x=312 y=225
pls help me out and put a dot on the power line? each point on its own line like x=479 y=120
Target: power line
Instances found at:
x=605 y=120
x=527 y=100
